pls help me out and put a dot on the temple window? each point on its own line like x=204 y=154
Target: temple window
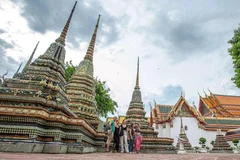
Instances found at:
x=185 y=127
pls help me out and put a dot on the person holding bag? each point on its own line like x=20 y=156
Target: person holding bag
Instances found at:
x=132 y=137
x=111 y=132
x=123 y=137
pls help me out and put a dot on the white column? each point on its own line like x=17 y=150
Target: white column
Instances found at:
x=160 y=130
x=168 y=130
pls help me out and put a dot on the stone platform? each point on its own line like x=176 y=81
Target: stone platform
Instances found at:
x=47 y=147
x=117 y=156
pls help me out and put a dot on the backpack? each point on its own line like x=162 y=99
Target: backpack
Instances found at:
x=106 y=128
x=121 y=131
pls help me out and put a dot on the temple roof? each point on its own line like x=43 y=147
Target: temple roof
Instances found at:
x=228 y=100
x=222 y=121
x=182 y=108
x=163 y=108
x=220 y=105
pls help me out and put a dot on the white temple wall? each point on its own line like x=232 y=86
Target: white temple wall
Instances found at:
x=168 y=130
x=193 y=132
x=211 y=136
x=160 y=130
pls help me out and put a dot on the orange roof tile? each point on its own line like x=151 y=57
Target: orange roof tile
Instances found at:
x=229 y=107
x=207 y=101
x=232 y=100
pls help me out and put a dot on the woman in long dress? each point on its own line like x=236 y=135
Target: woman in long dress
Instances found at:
x=138 y=139
x=116 y=137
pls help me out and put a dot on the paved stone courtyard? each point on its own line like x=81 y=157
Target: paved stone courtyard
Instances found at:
x=117 y=156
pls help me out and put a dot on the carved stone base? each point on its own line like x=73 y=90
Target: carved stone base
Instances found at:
x=45 y=147
x=202 y=150
x=181 y=152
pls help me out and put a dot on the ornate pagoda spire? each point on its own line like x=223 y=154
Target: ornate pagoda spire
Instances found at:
x=50 y=65
x=31 y=57
x=136 y=114
x=62 y=37
x=90 y=51
x=137 y=77
x=17 y=70
x=137 y=96
x=136 y=105
x=48 y=70
x=81 y=87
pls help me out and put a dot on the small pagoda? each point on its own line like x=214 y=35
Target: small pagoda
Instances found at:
x=220 y=145
x=183 y=135
x=34 y=112
x=136 y=114
x=81 y=88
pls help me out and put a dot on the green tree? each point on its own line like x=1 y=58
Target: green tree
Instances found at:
x=105 y=103
x=202 y=141
x=235 y=141
x=212 y=142
x=70 y=69
x=235 y=53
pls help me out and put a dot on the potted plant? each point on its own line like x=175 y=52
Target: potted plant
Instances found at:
x=235 y=141
x=202 y=142
x=212 y=143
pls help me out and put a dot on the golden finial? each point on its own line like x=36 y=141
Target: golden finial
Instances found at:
x=210 y=92
x=155 y=103
x=199 y=94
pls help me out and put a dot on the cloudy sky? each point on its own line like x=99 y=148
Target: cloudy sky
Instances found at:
x=182 y=44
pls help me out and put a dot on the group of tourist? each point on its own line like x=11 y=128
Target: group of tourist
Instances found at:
x=120 y=134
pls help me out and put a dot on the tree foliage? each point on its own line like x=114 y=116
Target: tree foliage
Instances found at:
x=235 y=53
x=212 y=142
x=202 y=141
x=105 y=103
x=70 y=69
x=235 y=141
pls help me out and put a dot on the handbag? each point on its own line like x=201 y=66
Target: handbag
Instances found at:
x=121 y=131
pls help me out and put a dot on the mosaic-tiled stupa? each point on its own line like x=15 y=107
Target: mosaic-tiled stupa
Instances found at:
x=183 y=135
x=136 y=114
x=220 y=144
x=34 y=112
x=81 y=88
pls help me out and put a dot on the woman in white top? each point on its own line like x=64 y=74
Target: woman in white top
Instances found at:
x=123 y=137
